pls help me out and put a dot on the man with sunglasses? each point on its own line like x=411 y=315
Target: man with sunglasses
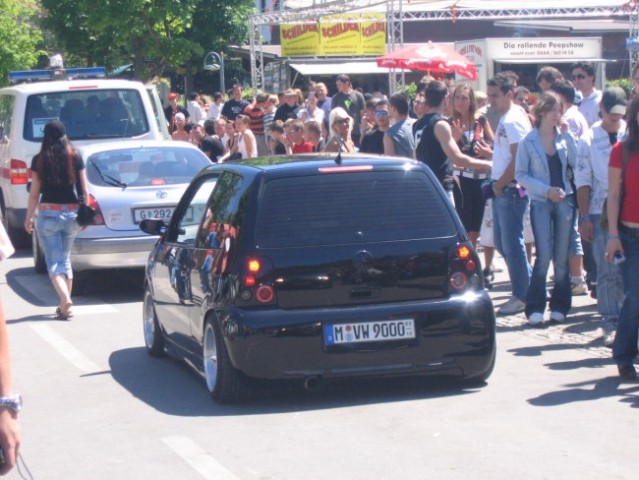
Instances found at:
x=373 y=141
x=583 y=77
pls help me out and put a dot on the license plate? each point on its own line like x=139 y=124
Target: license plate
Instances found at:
x=335 y=334
x=162 y=213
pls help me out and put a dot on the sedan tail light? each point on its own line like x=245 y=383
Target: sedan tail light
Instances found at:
x=98 y=219
x=463 y=269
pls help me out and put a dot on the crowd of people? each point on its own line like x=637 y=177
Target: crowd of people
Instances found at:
x=526 y=172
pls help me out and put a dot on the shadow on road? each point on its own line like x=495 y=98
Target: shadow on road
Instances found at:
x=591 y=390
x=174 y=388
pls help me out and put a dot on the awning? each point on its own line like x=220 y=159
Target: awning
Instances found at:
x=335 y=68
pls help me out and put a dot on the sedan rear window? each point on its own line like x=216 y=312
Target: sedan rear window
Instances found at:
x=351 y=208
x=144 y=166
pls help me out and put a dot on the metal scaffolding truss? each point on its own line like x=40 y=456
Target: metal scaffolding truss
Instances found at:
x=400 y=11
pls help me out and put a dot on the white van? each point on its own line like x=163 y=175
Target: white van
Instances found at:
x=92 y=110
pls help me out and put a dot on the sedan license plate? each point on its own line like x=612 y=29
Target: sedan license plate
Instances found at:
x=401 y=329
x=161 y=213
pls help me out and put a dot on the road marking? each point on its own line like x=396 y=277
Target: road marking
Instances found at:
x=93 y=309
x=201 y=461
x=65 y=349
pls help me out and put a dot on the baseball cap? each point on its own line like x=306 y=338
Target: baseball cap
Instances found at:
x=614 y=100
x=173 y=96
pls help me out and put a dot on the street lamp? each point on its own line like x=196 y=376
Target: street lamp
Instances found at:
x=213 y=62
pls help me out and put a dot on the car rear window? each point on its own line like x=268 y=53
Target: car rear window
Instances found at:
x=351 y=208
x=144 y=166
x=87 y=114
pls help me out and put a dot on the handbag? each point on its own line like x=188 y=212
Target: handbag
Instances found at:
x=85 y=215
x=603 y=218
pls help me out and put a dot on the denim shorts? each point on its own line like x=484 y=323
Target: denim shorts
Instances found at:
x=56 y=230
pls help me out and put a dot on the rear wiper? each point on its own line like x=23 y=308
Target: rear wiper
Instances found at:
x=108 y=179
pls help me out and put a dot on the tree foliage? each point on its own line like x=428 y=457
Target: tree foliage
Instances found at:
x=19 y=38
x=151 y=34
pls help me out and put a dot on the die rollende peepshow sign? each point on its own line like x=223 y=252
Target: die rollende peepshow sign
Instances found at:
x=335 y=35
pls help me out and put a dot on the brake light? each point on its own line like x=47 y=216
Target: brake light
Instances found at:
x=98 y=219
x=250 y=281
x=20 y=173
x=265 y=294
x=254 y=266
x=354 y=168
x=463 y=252
x=463 y=269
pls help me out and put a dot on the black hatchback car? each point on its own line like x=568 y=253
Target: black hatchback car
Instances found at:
x=312 y=267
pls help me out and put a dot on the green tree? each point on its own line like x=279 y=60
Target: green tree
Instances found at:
x=151 y=34
x=19 y=38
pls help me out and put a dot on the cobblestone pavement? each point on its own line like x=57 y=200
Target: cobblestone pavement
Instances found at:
x=580 y=330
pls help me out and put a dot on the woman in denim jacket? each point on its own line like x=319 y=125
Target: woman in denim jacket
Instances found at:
x=544 y=159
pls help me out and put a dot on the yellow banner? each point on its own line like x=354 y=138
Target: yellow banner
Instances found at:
x=336 y=35
x=300 y=39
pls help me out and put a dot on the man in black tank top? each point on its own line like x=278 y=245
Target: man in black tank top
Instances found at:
x=437 y=147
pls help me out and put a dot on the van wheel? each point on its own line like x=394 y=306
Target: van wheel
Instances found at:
x=39 y=262
x=223 y=381
x=19 y=237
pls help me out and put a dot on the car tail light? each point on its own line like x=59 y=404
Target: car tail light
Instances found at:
x=98 y=219
x=257 y=281
x=20 y=173
x=463 y=269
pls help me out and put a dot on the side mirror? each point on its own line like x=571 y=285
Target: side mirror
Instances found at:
x=153 y=226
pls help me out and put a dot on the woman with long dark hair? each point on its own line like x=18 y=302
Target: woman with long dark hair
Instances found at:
x=623 y=238
x=56 y=170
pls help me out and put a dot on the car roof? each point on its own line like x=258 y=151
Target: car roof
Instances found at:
x=64 y=85
x=288 y=165
x=97 y=147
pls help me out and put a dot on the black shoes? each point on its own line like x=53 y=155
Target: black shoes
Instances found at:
x=627 y=372
x=489 y=278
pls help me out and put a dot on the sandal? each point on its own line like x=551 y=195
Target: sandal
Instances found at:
x=61 y=314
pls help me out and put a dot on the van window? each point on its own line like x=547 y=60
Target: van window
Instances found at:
x=6 y=111
x=351 y=208
x=87 y=114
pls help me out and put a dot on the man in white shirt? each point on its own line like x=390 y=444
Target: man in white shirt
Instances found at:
x=215 y=109
x=510 y=201
x=583 y=76
x=591 y=179
x=196 y=113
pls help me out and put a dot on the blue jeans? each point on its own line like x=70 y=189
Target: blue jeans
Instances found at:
x=609 y=281
x=508 y=224
x=552 y=225
x=624 y=350
x=57 y=229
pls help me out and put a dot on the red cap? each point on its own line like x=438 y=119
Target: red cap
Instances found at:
x=173 y=96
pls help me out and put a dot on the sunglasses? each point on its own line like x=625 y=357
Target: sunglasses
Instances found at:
x=342 y=121
x=579 y=76
x=381 y=113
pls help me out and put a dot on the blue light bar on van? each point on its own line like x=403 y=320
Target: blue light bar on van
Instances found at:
x=56 y=74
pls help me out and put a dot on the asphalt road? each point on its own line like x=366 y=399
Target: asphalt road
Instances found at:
x=98 y=407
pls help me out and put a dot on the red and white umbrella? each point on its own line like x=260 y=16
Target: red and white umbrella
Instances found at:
x=429 y=57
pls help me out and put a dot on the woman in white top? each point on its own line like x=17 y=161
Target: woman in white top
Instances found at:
x=312 y=111
x=341 y=125
x=247 y=144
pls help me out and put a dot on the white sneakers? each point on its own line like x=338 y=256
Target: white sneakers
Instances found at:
x=512 y=306
x=536 y=318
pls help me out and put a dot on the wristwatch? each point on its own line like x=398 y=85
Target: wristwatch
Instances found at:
x=13 y=403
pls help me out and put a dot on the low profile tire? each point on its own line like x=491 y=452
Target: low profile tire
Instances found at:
x=153 y=339
x=39 y=262
x=223 y=381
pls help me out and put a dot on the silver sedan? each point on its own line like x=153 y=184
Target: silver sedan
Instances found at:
x=129 y=181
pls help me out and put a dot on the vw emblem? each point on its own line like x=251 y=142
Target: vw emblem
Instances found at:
x=161 y=194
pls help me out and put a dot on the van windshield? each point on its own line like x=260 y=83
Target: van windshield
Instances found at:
x=87 y=114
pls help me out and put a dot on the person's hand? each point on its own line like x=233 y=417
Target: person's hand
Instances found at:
x=586 y=230
x=482 y=149
x=498 y=189
x=563 y=127
x=9 y=439
x=556 y=194
x=613 y=246
x=28 y=225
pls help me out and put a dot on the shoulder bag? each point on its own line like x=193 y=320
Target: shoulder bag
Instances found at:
x=86 y=213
